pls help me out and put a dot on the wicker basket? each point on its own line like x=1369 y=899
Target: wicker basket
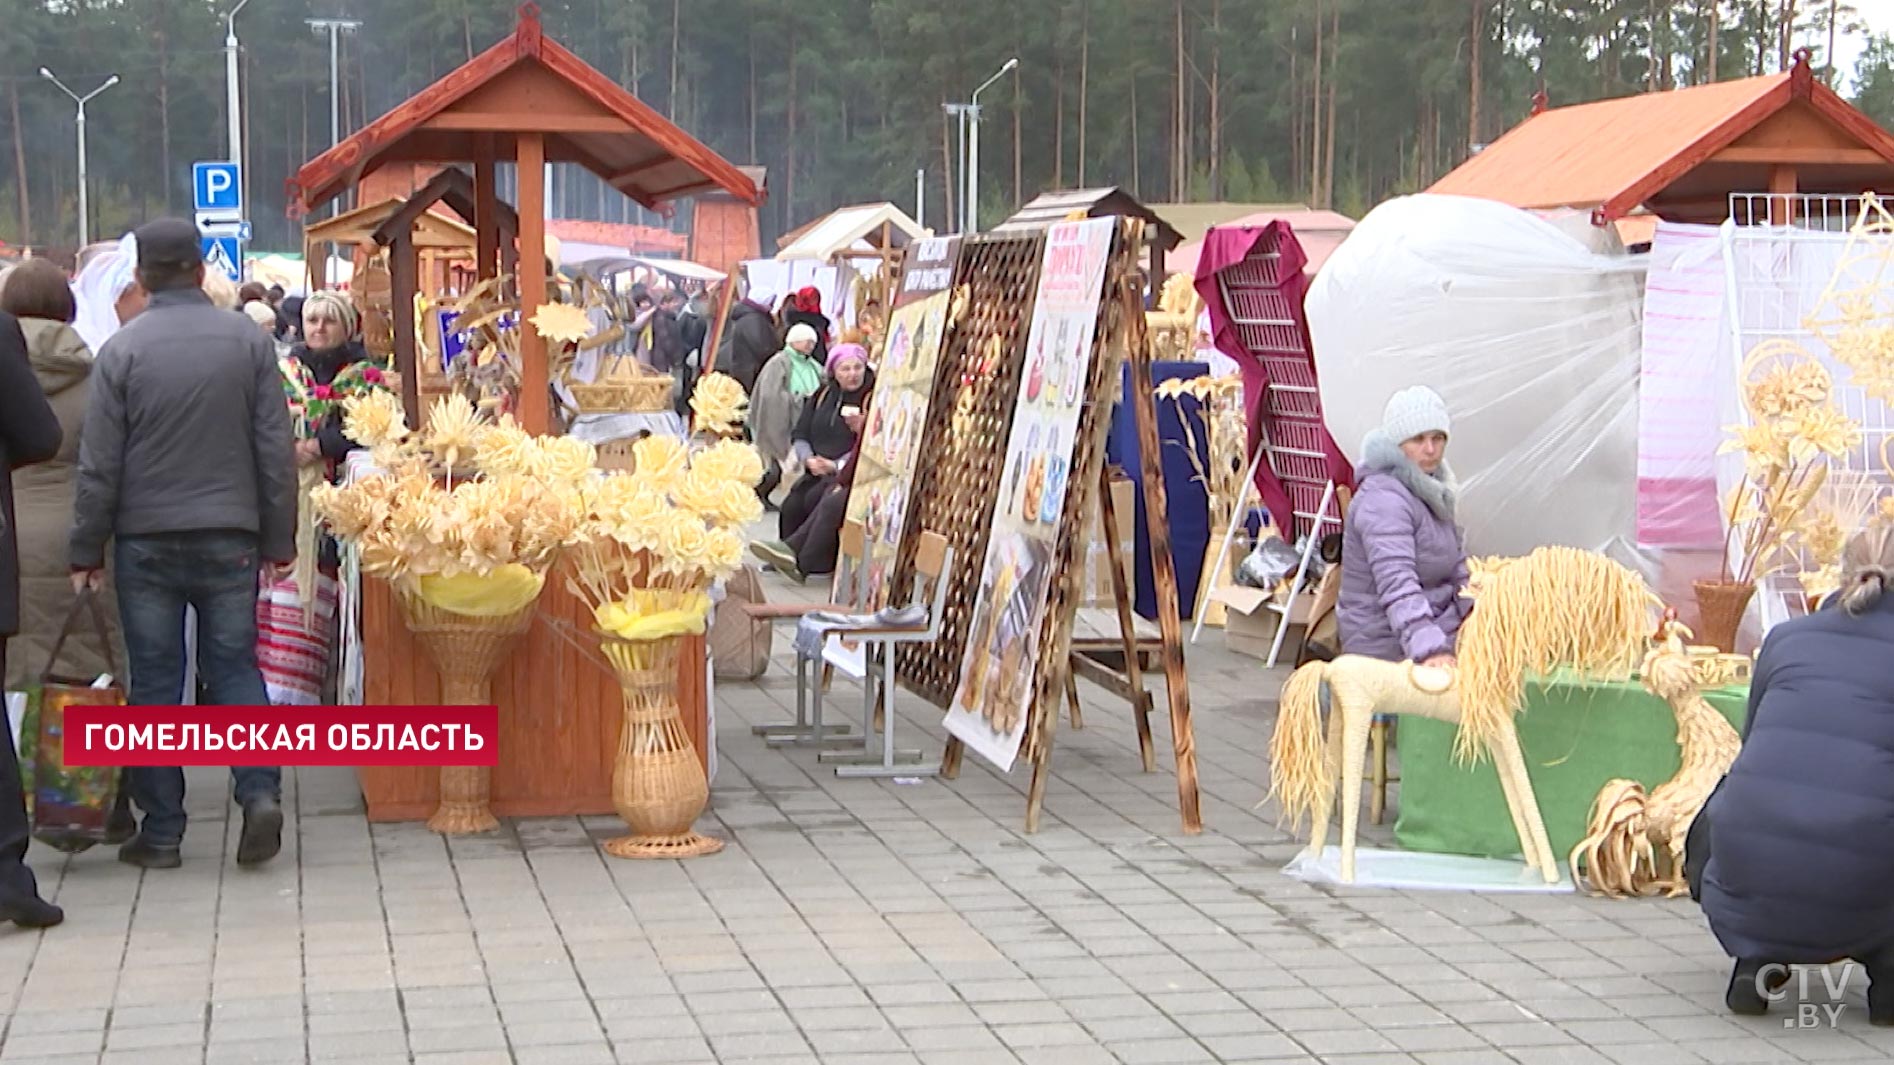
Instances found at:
x=641 y=394
x=658 y=786
x=465 y=651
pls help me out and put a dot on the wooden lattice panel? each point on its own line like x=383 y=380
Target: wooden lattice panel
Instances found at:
x=1088 y=462
x=963 y=449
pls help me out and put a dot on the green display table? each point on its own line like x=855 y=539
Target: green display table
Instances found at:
x=1576 y=736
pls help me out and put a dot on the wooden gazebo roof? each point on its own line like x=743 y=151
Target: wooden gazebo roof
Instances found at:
x=1681 y=154
x=529 y=82
x=432 y=230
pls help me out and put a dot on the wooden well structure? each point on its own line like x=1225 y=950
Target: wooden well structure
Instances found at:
x=526 y=101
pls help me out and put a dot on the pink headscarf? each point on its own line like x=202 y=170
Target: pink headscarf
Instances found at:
x=846 y=351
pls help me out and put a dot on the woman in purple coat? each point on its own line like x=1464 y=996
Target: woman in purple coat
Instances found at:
x=1404 y=561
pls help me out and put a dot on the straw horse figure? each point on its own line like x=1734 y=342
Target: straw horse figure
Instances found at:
x=1557 y=607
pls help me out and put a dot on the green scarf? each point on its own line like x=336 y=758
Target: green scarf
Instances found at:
x=805 y=374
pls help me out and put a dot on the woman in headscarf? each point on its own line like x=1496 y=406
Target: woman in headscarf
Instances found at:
x=804 y=307
x=106 y=292
x=783 y=386
x=827 y=432
x=295 y=620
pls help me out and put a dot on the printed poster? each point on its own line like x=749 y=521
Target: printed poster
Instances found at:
x=897 y=414
x=995 y=692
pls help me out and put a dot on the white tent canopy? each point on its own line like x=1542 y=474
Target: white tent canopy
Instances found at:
x=1529 y=328
x=850 y=228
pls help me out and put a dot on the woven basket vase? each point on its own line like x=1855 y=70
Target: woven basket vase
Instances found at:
x=658 y=786
x=465 y=651
x=1720 y=609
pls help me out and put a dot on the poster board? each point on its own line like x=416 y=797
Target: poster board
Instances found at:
x=996 y=690
x=881 y=496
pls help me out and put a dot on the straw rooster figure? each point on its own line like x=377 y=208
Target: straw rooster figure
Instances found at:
x=1635 y=840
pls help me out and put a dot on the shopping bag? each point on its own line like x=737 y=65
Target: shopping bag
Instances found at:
x=68 y=806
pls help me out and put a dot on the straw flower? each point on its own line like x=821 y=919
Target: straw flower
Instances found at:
x=453 y=430
x=685 y=544
x=374 y=418
x=1823 y=429
x=730 y=460
x=562 y=323
x=737 y=504
x=719 y=403
x=661 y=460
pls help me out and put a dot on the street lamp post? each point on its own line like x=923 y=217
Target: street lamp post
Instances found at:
x=85 y=231
x=233 y=105
x=973 y=147
x=334 y=27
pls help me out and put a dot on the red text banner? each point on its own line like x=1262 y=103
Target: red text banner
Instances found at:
x=115 y=736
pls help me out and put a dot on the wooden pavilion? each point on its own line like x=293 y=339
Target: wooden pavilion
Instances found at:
x=527 y=101
x=530 y=101
x=1680 y=156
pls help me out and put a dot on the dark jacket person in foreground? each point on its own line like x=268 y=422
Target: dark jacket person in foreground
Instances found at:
x=29 y=433
x=1799 y=869
x=186 y=463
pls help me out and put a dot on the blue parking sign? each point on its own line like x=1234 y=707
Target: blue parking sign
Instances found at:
x=214 y=187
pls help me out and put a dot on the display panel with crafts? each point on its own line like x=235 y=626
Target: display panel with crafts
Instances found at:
x=989 y=710
x=897 y=414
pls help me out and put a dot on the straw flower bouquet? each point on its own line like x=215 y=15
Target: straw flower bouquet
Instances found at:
x=464 y=523
x=1795 y=429
x=652 y=542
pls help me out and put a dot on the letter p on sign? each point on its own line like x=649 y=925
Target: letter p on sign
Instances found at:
x=214 y=187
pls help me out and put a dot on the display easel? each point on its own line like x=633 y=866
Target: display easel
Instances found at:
x=1124 y=339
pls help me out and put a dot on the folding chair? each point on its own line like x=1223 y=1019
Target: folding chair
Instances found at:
x=933 y=560
x=846 y=594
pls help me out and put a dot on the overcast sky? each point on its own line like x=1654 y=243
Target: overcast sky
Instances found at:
x=1879 y=15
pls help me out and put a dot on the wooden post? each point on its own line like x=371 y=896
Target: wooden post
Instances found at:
x=486 y=210
x=1782 y=190
x=1142 y=398
x=1121 y=595
x=708 y=359
x=535 y=402
x=401 y=278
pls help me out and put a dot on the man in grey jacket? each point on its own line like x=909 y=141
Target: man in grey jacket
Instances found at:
x=186 y=463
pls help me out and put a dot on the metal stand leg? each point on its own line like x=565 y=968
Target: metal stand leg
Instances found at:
x=864 y=753
x=808 y=729
x=888 y=767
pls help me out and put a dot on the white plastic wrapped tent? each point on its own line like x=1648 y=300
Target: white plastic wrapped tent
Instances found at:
x=1529 y=328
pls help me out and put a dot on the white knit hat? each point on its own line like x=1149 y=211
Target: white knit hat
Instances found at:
x=1413 y=411
x=799 y=332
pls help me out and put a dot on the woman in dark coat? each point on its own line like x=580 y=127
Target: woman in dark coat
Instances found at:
x=826 y=435
x=1799 y=870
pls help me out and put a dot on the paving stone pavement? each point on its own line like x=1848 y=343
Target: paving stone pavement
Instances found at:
x=858 y=922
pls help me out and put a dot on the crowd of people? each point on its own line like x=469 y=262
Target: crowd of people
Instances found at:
x=159 y=423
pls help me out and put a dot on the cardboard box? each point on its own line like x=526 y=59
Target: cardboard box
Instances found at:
x=1249 y=625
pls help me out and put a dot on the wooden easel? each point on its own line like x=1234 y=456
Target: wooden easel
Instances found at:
x=1142 y=397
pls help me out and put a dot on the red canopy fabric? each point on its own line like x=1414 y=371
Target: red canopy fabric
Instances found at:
x=1252 y=282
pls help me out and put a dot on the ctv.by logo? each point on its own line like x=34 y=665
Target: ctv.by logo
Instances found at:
x=1772 y=983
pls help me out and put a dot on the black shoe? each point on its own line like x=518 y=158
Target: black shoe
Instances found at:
x=31 y=912
x=262 y=832
x=1881 y=1006
x=121 y=826
x=149 y=856
x=1745 y=996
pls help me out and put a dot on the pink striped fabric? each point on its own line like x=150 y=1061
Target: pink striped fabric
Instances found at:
x=1686 y=340
x=293 y=649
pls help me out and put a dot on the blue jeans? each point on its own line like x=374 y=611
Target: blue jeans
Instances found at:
x=215 y=573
